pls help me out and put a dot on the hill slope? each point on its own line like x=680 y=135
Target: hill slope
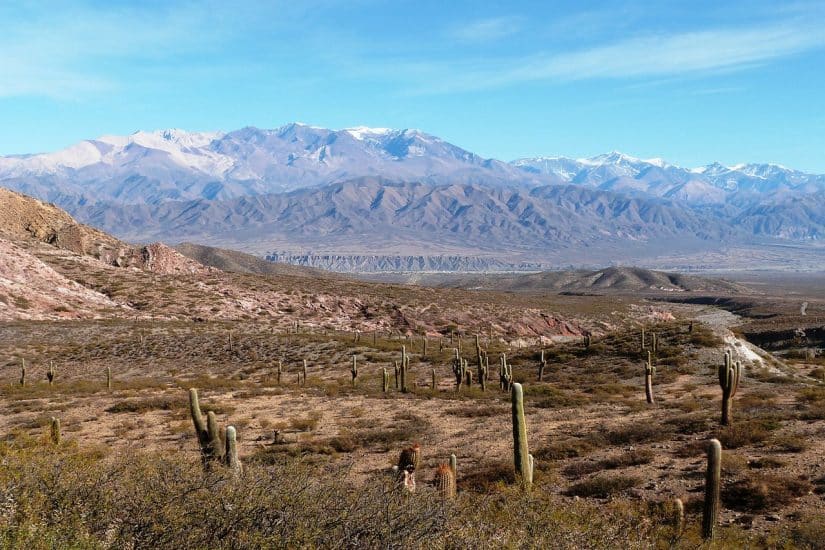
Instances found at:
x=612 y=279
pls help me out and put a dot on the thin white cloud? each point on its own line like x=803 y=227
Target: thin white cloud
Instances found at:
x=654 y=55
x=488 y=30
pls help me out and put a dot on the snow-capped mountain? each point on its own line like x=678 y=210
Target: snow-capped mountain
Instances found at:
x=380 y=187
x=151 y=167
x=710 y=184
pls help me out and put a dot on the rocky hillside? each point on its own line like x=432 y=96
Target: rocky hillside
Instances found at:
x=28 y=219
x=39 y=279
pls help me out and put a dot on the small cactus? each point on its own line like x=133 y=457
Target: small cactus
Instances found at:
x=54 y=431
x=434 y=381
x=521 y=454
x=50 y=374
x=109 y=378
x=304 y=371
x=385 y=380
x=454 y=465
x=729 y=375
x=710 y=515
x=23 y=373
x=280 y=371
x=445 y=482
x=397 y=376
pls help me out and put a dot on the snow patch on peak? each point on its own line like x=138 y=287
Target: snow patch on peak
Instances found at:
x=363 y=132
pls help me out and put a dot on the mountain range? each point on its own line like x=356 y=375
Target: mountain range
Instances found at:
x=301 y=190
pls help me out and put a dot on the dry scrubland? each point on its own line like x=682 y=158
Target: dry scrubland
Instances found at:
x=317 y=452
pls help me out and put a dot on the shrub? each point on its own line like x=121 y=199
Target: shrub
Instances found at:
x=603 y=486
x=761 y=493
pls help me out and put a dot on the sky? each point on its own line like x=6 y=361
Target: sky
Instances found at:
x=691 y=82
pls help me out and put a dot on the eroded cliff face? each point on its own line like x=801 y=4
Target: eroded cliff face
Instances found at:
x=364 y=263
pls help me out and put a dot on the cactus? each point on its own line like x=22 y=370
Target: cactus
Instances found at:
x=521 y=454
x=424 y=345
x=50 y=374
x=385 y=380
x=434 y=382
x=304 y=371
x=468 y=375
x=405 y=362
x=215 y=447
x=23 y=373
x=54 y=432
x=230 y=341
x=690 y=327
x=678 y=518
x=354 y=370
x=454 y=465
x=587 y=340
x=445 y=482
x=458 y=370
x=231 y=459
x=643 y=338
x=654 y=342
x=650 y=370
x=729 y=375
x=205 y=429
x=710 y=515
x=280 y=371
x=109 y=378
x=397 y=376
x=542 y=366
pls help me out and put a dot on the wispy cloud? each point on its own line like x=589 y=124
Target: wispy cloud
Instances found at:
x=488 y=30
x=654 y=55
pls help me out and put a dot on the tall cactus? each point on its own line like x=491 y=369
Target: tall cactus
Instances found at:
x=354 y=370
x=445 y=482
x=643 y=338
x=678 y=518
x=280 y=370
x=434 y=382
x=454 y=465
x=231 y=459
x=304 y=371
x=206 y=429
x=50 y=374
x=405 y=362
x=54 y=431
x=542 y=366
x=521 y=454
x=650 y=370
x=710 y=515
x=397 y=376
x=109 y=378
x=729 y=375
x=23 y=372
x=385 y=380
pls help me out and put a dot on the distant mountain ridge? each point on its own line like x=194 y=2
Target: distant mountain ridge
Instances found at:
x=314 y=192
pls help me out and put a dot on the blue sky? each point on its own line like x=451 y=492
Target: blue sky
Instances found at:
x=691 y=82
